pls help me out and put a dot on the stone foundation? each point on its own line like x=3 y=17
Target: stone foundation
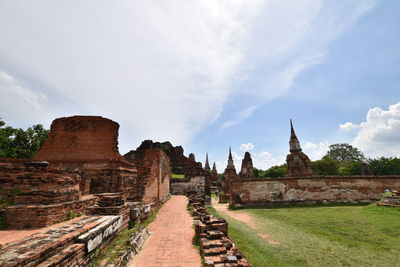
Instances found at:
x=187 y=186
x=309 y=190
x=69 y=244
x=37 y=216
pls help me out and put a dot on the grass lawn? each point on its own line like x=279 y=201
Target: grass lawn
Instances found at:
x=177 y=176
x=319 y=236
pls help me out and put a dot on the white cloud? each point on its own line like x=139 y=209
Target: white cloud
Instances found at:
x=165 y=70
x=16 y=91
x=246 y=147
x=240 y=116
x=17 y=98
x=349 y=126
x=264 y=160
x=310 y=145
x=379 y=134
x=316 y=151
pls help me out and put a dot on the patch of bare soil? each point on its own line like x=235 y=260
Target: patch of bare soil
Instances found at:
x=242 y=216
x=268 y=239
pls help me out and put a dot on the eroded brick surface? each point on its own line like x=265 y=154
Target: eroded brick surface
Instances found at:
x=322 y=189
x=81 y=138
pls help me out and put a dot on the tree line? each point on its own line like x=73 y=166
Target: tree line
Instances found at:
x=342 y=159
x=19 y=143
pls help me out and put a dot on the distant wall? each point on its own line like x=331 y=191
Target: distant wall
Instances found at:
x=253 y=192
x=188 y=185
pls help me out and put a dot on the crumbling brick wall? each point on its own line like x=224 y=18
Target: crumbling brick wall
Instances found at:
x=180 y=164
x=81 y=138
x=311 y=189
x=22 y=184
x=194 y=185
x=154 y=176
x=90 y=144
x=37 y=195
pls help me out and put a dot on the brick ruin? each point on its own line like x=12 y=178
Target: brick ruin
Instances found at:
x=180 y=164
x=214 y=175
x=216 y=247
x=311 y=190
x=298 y=163
x=78 y=171
x=247 y=167
x=196 y=179
x=300 y=185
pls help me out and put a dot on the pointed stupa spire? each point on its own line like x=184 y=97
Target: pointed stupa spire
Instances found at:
x=214 y=169
x=292 y=133
x=294 y=143
x=230 y=159
x=207 y=165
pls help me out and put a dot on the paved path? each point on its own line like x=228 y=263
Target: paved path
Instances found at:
x=170 y=244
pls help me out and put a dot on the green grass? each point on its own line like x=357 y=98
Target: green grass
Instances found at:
x=120 y=244
x=177 y=176
x=320 y=236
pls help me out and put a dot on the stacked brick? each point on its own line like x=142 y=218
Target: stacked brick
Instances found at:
x=39 y=195
x=216 y=247
x=113 y=204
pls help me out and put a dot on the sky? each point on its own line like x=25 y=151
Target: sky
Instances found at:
x=209 y=75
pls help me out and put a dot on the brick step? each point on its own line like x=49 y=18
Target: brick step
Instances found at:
x=214 y=251
x=66 y=257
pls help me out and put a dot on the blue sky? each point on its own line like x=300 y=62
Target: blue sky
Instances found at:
x=209 y=75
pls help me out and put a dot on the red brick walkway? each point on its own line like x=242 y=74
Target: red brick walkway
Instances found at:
x=170 y=244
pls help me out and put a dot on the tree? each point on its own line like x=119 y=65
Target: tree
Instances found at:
x=353 y=168
x=256 y=172
x=275 y=171
x=325 y=166
x=17 y=143
x=384 y=166
x=344 y=154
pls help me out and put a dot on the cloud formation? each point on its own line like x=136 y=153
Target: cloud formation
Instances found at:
x=165 y=70
x=379 y=134
x=246 y=147
x=18 y=98
x=316 y=151
x=348 y=126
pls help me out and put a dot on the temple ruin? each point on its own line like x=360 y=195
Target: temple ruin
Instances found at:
x=78 y=172
x=298 y=163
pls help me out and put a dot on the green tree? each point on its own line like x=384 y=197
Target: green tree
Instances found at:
x=384 y=166
x=353 y=168
x=256 y=172
x=344 y=154
x=325 y=166
x=275 y=171
x=19 y=143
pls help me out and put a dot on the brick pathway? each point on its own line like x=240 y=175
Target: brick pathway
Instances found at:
x=170 y=244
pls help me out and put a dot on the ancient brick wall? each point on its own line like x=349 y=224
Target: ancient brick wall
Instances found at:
x=180 y=164
x=154 y=176
x=311 y=189
x=37 y=185
x=194 y=185
x=38 y=195
x=81 y=138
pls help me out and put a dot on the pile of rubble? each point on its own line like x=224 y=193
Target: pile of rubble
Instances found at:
x=216 y=247
x=390 y=199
